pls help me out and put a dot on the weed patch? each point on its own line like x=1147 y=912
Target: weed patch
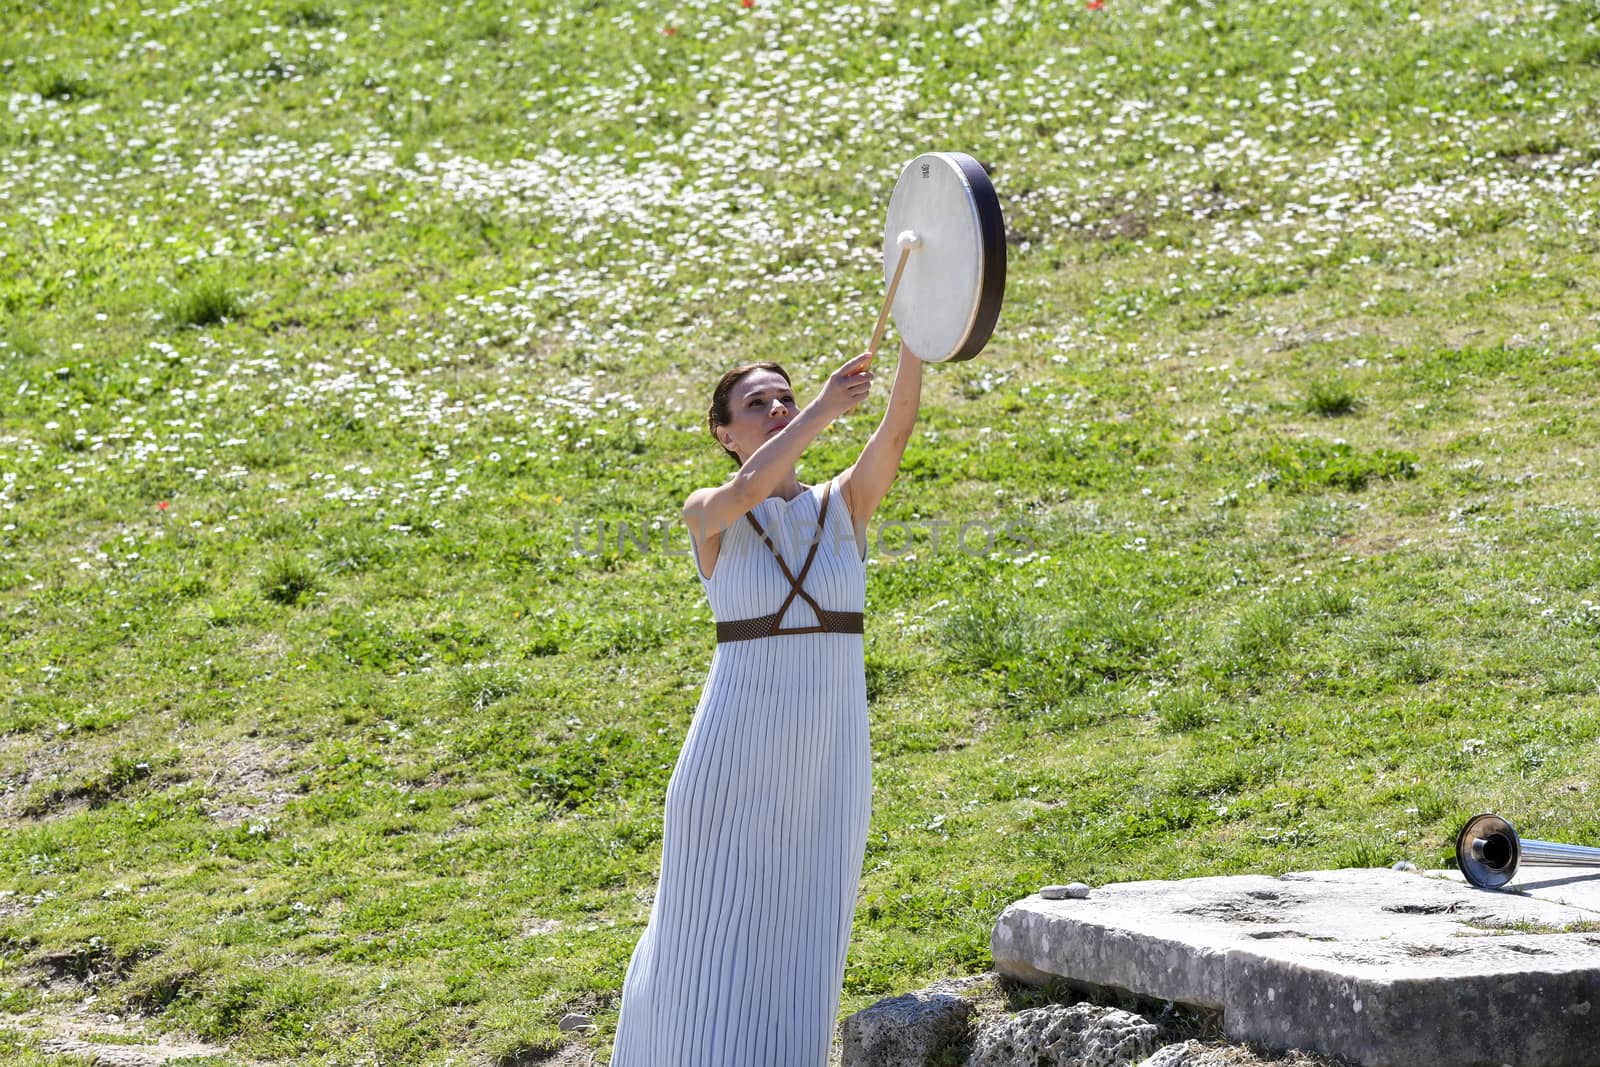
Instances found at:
x=1302 y=466
x=204 y=301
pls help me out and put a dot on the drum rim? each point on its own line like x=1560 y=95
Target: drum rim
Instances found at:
x=992 y=271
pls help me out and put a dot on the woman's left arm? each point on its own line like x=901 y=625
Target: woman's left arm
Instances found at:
x=867 y=481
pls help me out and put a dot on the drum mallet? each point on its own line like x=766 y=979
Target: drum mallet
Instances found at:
x=909 y=242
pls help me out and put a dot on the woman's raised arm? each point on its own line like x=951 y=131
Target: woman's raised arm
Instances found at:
x=867 y=481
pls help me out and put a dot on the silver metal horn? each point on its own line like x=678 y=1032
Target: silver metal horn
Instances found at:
x=1489 y=851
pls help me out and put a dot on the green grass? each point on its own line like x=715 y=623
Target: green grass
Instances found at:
x=356 y=749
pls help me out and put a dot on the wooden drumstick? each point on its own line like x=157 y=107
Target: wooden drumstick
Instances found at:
x=909 y=242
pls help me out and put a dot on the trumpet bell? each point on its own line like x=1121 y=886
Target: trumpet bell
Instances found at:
x=1487 y=851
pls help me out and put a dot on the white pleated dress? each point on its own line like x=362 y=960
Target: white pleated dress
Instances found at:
x=766 y=816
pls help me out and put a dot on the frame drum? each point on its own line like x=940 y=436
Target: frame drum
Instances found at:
x=949 y=296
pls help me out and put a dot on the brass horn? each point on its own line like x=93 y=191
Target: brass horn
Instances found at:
x=1488 y=851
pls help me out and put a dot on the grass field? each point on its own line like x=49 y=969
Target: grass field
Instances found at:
x=342 y=340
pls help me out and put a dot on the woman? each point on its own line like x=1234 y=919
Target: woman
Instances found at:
x=767 y=809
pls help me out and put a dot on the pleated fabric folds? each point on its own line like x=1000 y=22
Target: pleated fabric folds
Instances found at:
x=766 y=819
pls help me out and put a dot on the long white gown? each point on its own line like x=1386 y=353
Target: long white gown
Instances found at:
x=766 y=816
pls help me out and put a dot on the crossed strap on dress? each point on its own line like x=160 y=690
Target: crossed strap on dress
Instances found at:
x=828 y=622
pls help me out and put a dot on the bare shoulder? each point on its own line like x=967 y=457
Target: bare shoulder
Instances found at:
x=697 y=501
x=704 y=537
x=696 y=510
x=715 y=508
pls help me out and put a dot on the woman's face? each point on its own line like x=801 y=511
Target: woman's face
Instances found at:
x=761 y=404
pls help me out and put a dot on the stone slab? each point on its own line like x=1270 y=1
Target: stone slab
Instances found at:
x=1385 y=968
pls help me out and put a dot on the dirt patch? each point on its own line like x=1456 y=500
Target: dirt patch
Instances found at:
x=108 y=1041
x=13 y=905
x=32 y=768
x=51 y=776
x=270 y=646
x=248 y=780
x=88 y=965
x=1289 y=338
x=537 y=927
x=573 y=1056
x=568 y=1055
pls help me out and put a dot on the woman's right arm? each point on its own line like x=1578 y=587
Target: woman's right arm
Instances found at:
x=710 y=511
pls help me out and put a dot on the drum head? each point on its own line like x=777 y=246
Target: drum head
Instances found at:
x=949 y=296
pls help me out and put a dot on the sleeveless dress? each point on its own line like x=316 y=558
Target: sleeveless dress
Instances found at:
x=767 y=810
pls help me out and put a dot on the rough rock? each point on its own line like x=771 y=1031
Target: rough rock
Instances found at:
x=1070 y=891
x=1186 y=1054
x=1199 y=1054
x=1077 y=1035
x=913 y=1030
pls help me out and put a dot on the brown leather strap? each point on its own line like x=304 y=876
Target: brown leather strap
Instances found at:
x=833 y=622
x=796 y=583
x=828 y=622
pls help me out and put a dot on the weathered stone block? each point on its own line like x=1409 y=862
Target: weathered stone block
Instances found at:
x=1382 y=967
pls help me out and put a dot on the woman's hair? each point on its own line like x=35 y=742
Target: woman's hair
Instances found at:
x=721 y=411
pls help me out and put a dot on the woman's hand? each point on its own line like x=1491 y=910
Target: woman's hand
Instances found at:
x=846 y=388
